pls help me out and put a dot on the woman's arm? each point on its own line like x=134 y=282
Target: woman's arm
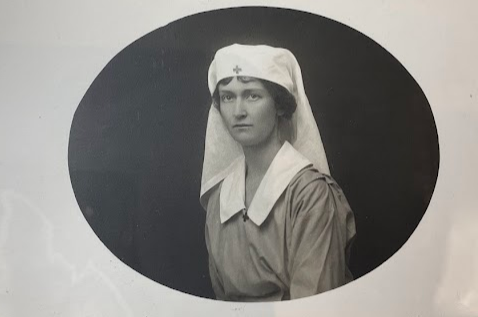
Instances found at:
x=216 y=282
x=318 y=238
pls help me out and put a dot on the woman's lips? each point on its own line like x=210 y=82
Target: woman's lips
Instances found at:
x=242 y=125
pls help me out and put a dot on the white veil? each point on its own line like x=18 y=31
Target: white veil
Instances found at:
x=276 y=65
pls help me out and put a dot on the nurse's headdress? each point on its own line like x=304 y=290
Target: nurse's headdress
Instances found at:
x=276 y=65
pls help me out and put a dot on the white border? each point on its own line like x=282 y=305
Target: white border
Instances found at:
x=52 y=264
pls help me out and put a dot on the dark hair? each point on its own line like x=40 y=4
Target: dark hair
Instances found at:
x=283 y=99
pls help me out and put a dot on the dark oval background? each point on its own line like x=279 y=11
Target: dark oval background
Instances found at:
x=136 y=142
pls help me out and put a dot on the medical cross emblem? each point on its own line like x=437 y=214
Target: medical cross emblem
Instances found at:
x=237 y=69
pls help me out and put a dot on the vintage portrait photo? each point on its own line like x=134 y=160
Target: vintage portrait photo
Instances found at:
x=253 y=154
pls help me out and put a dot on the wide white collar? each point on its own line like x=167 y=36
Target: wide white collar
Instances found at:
x=286 y=164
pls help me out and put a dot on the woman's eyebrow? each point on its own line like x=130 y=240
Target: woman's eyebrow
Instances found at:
x=248 y=90
x=224 y=90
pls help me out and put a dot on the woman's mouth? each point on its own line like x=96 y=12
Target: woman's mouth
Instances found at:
x=242 y=125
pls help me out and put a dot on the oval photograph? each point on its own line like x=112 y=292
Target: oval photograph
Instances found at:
x=253 y=154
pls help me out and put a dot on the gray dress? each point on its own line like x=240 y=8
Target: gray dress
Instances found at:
x=294 y=241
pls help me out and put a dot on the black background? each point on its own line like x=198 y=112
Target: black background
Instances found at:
x=137 y=138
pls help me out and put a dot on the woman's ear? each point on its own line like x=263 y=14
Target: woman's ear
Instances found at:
x=216 y=105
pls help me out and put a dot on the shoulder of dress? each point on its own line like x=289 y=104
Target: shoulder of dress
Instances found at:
x=310 y=173
x=309 y=182
x=305 y=176
x=310 y=179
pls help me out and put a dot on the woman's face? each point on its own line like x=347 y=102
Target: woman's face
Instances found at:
x=248 y=111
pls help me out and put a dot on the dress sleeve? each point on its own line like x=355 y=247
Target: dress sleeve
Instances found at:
x=216 y=281
x=318 y=237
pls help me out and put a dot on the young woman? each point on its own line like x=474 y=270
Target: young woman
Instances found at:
x=277 y=226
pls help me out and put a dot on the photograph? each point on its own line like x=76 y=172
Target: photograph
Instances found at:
x=246 y=159
x=195 y=154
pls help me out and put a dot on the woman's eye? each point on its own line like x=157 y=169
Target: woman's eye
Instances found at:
x=254 y=96
x=226 y=98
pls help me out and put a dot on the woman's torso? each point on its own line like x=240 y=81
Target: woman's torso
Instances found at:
x=251 y=262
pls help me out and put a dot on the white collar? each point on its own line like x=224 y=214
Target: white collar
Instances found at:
x=286 y=164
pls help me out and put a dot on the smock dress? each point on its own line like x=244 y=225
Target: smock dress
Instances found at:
x=293 y=240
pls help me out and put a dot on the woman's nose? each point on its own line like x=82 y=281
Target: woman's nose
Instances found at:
x=239 y=108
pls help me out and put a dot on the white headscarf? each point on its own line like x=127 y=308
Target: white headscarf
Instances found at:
x=276 y=65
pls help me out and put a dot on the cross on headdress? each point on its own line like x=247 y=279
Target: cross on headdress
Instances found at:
x=237 y=69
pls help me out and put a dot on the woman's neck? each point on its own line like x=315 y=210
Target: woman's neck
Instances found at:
x=259 y=157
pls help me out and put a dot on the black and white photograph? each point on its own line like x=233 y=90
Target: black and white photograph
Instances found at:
x=224 y=168
x=259 y=158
